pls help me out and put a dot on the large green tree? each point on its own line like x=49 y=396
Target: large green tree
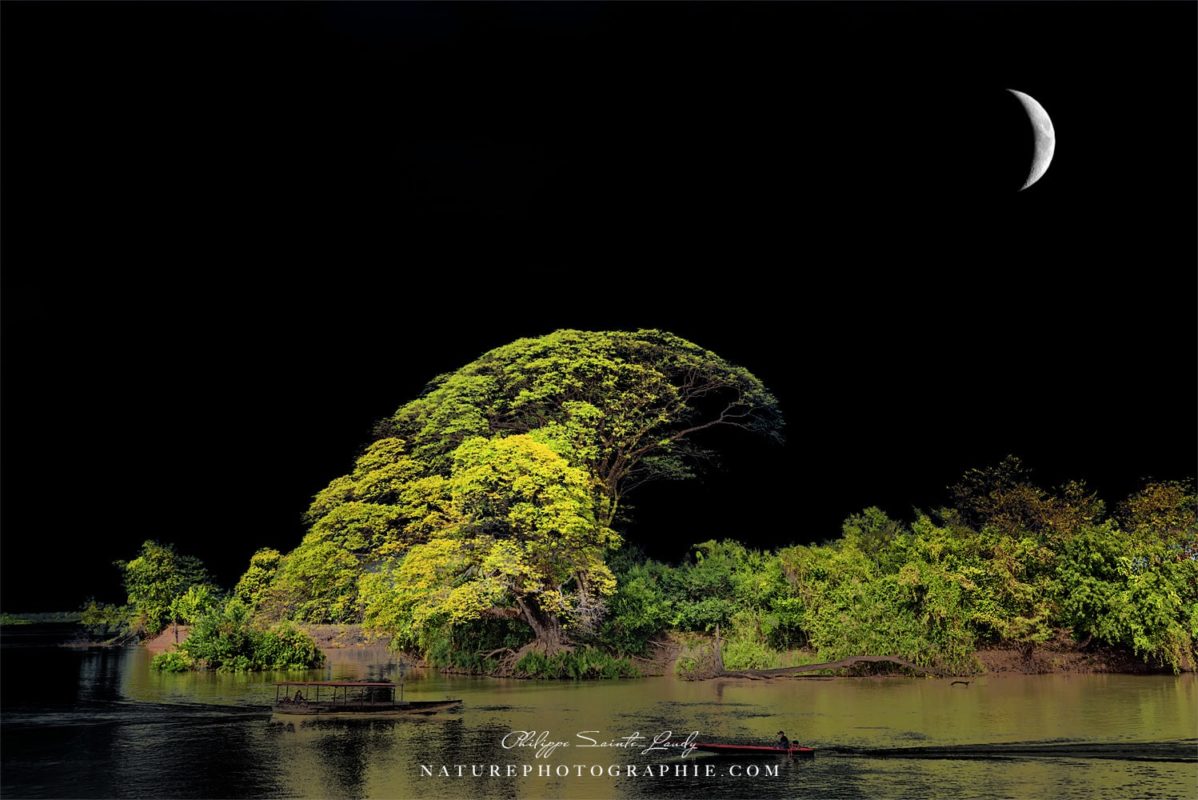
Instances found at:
x=618 y=408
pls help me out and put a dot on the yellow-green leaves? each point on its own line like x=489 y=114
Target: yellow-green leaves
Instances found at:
x=156 y=578
x=519 y=533
x=382 y=507
x=620 y=405
x=263 y=566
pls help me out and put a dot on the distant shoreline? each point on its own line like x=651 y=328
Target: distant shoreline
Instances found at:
x=40 y=618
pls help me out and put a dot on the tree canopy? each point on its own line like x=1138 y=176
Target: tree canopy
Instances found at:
x=155 y=579
x=623 y=406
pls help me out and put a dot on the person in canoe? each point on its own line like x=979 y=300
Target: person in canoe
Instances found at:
x=783 y=742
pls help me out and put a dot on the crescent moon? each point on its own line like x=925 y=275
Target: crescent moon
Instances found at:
x=1046 y=137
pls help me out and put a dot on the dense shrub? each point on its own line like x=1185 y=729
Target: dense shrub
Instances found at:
x=641 y=609
x=285 y=647
x=172 y=661
x=744 y=653
x=224 y=639
x=1012 y=566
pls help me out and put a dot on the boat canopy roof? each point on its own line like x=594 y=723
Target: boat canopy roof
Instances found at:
x=351 y=684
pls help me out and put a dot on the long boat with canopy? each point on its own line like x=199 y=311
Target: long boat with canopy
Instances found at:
x=350 y=697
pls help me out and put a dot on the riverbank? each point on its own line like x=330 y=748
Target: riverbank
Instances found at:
x=1058 y=657
x=1061 y=655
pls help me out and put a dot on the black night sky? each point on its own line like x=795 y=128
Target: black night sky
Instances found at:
x=235 y=235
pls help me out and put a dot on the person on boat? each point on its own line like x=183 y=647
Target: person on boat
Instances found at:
x=783 y=742
x=299 y=696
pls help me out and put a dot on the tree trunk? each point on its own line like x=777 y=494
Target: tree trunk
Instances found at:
x=546 y=627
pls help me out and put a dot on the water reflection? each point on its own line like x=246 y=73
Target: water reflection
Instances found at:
x=123 y=730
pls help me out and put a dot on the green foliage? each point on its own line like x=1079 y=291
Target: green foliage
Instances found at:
x=696 y=658
x=357 y=522
x=622 y=406
x=155 y=578
x=104 y=621
x=874 y=534
x=285 y=647
x=251 y=588
x=316 y=582
x=915 y=614
x=198 y=600
x=225 y=639
x=172 y=661
x=743 y=591
x=641 y=609
x=1131 y=590
x=474 y=647
x=518 y=534
x=1165 y=512
x=1028 y=563
x=583 y=664
x=220 y=636
x=483 y=516
x=749 y=653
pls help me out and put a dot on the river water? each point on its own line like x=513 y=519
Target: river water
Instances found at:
x=102 y=724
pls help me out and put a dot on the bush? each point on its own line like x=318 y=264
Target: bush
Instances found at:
x=1131 y=592
x=224 y=639
x=639 y=610
x=750 y=654
x=914 y=614
x=285 y=647
x=172 y=661
x=107 y=622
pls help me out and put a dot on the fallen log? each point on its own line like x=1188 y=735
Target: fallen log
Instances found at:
x=781 y=672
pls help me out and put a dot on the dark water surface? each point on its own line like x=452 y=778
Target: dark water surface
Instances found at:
x=101 y=724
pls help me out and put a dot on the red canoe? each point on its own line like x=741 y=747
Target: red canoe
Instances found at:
x=754 y=750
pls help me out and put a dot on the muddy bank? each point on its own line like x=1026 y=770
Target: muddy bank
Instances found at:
x=167 y=640
x=1063 y=657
